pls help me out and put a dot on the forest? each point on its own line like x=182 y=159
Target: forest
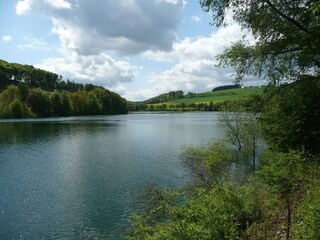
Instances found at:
x=30 y=92
x=261 y=181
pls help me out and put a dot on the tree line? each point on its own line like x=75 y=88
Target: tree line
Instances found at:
x=21 y=102
x=165 y=97
x=14 y=73
x=33 y=92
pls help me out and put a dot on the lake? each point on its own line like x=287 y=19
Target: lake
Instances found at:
x=78 y=177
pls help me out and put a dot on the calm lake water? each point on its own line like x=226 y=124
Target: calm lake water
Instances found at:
x=77 y=177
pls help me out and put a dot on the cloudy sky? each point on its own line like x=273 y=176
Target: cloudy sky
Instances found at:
x=137 y=48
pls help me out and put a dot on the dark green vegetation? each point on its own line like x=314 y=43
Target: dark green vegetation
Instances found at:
x=209 y=101
x=240 y=190
x=32 y=92
x=225 y=87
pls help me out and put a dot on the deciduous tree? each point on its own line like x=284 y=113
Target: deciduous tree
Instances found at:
x=286 y=33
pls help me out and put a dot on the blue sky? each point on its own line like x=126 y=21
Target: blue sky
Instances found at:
x=137 y=48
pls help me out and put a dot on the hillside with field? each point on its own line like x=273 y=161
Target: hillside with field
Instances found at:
x=208 y=101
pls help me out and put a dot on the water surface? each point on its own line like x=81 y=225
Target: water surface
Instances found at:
x=77 y=177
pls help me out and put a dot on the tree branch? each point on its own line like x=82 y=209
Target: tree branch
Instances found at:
x=289 y=19
x=283 y=51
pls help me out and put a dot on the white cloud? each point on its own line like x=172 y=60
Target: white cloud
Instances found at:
x=89 y=31
x=23 y=6
x=125 y=27
x=59 y=4
x=7 y=38
x=196 y=18
x=200 y=47
x=100 y=69
x=27 y=6
x=194 y=62
x=34 y=43
x=169 y=1
x=184 y=3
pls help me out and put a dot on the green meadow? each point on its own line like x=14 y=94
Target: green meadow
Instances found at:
x=218 y=96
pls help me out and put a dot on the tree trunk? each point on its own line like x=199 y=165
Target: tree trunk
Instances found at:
x=288 y=218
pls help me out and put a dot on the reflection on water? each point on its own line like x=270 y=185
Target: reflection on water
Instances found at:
x=76 y=178
x=13 y=132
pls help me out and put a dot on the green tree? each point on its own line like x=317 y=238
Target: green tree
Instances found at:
x=104 y=97
x=285 y=174
x=223 y=212
x=308 y=217
x=94 y=106
x=60 y=103
x=17 y=109
x=251 y=136
x=66 y=104
x=242 y=130
x=7 y=96
x=39 y=102
x=209 y=163
x=230 y=119
x=24 y=91
x=291 y=119
x=287 y=35
x=79 y=102
x=89 y=87
x=11 y=105
x=56 y=103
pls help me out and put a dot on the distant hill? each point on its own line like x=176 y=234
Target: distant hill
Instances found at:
x=207 y=101
x=26 y=91
x=15 y=73
x=165 y=97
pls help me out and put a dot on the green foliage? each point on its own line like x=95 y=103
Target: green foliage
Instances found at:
x=308 y=217
x=118 y=104
x=17 y=109
x=165 y=97
x=263 y=207
x=11 y=93
x=66 y=107
x=223 y=212
x=79 y=103
x=242 y=130
x=11 y=105
x=292 y=117
x=39 y=102
x=209 y=163
x=48 y=95
x=98 y=101
x=221 y=205
x=24 y=90
x=284 y=173
x=287 y=35
x=60 y=103
x=13 y=73
x=94 y=106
